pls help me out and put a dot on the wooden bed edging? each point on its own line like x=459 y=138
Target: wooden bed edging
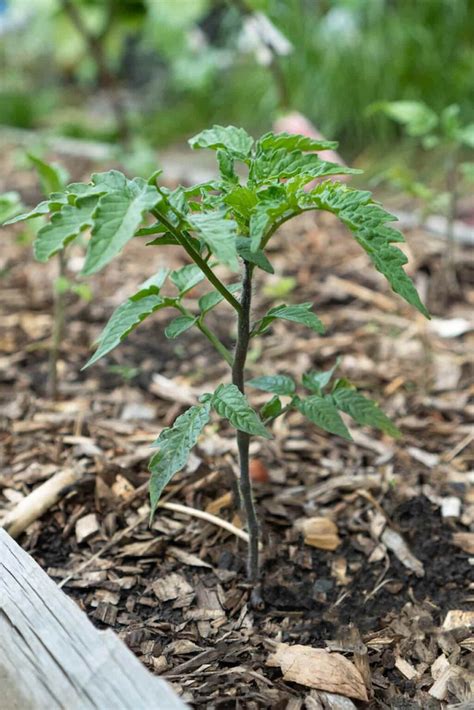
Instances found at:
x=51 y=656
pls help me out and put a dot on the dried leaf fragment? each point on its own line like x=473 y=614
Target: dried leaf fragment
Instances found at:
x=317 y=668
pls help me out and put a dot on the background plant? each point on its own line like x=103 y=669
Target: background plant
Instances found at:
x=188 y=64
x=228 y=221
x=53 y=179
x=450 y=137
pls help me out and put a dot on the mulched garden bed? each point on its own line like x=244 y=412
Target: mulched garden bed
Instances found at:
x=176 y=592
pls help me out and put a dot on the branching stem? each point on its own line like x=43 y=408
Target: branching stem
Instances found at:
x=181 y=237
x=243 y=439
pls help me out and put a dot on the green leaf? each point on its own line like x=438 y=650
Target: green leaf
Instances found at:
x=363 y=410
x=293 y=141
x=39 y=211
x=367 y=220
x=64 y=226
x=322 y=412
x=263 y=216
x=416 y=116
x=213 y=298
x=125 y=319
x=226 y=166
x=219 y=234
x=230 y=403
x=276 y=384
x=175 y=444
x=186 y=278
x=116 y=219
x=271 y=409
x=179 y=325
x=242 y=200
x=449 y=121
x=466 y=135
x=317 y=381
x=100 y=184
x=280 y=163
x=10 y=205
x=152 y=285
x=155 y=228
x=300 y=313
x=258 y=257
x=167 y=239
x=52 y=177
x=235 y=140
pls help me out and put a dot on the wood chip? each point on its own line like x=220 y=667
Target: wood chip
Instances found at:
x=172 y=390
x=332 y=701
x=439 y=689
x=182 y=647
x=319 y=532
x=450 y=507
x=186 y=558
x=86 y=526
x=457 y=619
x=464 y=540
x=147 y=548
x=319 y=669
x=405 y=668
x=215 y=506
x=174 y=587
x=394 y=542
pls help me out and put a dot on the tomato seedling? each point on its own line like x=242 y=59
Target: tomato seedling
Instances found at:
x=229 y=221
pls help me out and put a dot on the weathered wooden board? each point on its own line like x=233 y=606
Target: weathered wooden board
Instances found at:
x=51 y=656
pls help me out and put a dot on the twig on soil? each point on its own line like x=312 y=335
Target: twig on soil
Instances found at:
x=34 y=505
x=208 y=517
x=450 y=455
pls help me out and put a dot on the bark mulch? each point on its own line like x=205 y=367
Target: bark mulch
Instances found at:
x=368 y=545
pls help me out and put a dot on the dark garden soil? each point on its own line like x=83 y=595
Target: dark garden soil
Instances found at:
x=396 y=553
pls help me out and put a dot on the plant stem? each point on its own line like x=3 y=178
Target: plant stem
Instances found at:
x=58 y=327
x=451 y=185
x=181 y=237
x=213 y=339
x=220 y=347
x=243 y=439
x=96 y=47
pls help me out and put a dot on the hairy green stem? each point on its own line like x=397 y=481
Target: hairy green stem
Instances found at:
x=181 y=237
x=243 y=439
x=58 y=328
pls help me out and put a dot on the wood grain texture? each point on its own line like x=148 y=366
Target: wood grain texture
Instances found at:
x=51 y=656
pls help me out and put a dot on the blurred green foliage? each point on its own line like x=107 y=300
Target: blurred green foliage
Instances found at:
x=182 y=64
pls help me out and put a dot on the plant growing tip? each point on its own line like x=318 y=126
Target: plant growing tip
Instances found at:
x=228 y=222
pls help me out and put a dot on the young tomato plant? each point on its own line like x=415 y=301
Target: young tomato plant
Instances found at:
x=229 y=221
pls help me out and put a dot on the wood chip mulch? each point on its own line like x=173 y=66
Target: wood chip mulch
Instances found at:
x=368 y=546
